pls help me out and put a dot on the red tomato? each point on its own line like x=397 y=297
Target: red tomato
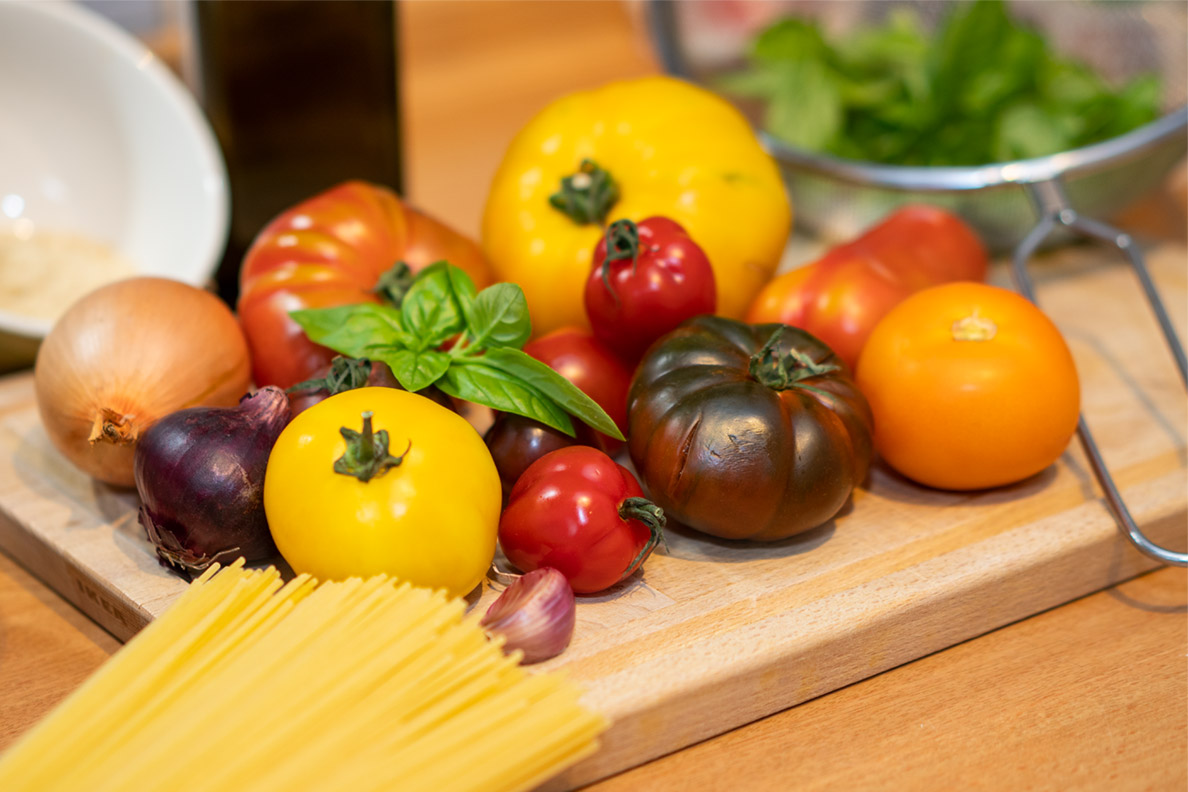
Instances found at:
x=595 y=370
x=841 y=297
x=578 y=511
x=647 y=278
x=331 y=250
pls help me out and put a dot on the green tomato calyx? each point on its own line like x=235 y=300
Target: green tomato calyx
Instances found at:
x=788 y=371
x=587 y=196
x=345 y=374
x=394 y=283
x=622 y=242
x=650 y=515
x=366 y=455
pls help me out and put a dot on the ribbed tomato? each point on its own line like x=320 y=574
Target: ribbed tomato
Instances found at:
x=331 y=250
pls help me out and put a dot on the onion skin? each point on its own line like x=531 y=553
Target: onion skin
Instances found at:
x=200 y=476
x=127 y=354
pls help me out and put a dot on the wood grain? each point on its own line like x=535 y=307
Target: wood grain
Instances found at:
x=47 y=648
x=715 y=634
x=1088 y=696
x=1068 y=709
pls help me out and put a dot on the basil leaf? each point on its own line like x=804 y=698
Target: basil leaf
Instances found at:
x=808 y=111
x=416 y=369
x=789 y=39
x=464 y=290
x=499 y=317
x=553 y=385
x=431 y=310
x=474 y=380
x=354 y=330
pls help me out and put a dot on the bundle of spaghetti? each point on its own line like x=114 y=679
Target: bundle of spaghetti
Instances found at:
x=250 y=683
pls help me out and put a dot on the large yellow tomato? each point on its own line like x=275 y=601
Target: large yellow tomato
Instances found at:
x=428 y=516
x=670 y=149
x=971 y=386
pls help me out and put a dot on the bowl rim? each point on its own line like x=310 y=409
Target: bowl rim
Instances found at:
x=90 y=24
x=1171 y=127
x=923 y=178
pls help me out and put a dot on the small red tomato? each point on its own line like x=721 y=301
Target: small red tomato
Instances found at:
x=580 y=512
x=583 y=360
x=647 y=278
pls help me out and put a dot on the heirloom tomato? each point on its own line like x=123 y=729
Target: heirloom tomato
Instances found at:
x=633 y=149
x=840 y=297
x=580 y=512
x=332 y=250
x=646 y=279
x=971 y=386
x=382 y=481
x=747 y=431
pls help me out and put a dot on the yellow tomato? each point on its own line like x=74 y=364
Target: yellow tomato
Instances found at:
x=672 y=149
x=429 y=517
x=971 y=386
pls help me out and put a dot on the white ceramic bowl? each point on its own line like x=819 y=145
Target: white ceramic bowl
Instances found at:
x=99 y=139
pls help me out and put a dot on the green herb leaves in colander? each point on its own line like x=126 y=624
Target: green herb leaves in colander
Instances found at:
x=982 y=88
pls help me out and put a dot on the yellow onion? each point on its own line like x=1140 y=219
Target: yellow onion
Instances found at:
x=128 y=354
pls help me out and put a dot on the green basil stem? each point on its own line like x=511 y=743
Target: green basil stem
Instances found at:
x=622 y=242
x=587 y=196
x=394 y=283
x=366 y=454
x=650 y=515
x=345 y=374
x=777 y=373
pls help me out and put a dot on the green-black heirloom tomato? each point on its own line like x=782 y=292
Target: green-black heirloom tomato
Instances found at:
x=747 y=431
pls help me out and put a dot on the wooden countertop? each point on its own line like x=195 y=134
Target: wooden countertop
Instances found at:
x=1091 y=695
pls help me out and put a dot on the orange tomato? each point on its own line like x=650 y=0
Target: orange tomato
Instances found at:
x=971 y=386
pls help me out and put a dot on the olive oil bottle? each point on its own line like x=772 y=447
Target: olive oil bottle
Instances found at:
x=302 y=94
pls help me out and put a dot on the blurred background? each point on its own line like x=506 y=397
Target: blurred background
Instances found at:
x=419 y=95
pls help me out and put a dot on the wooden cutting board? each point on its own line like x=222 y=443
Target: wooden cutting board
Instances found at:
x=714 y=634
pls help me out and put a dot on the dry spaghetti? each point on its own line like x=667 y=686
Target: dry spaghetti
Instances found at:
x=249 y=683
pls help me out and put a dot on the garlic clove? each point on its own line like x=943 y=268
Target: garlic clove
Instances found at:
x=535 y=614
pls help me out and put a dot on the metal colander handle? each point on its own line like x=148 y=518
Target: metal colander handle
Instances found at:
x=1052 y=206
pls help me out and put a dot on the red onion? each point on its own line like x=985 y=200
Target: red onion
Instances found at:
x=200 y=475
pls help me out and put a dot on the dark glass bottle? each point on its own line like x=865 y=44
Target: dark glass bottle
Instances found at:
x=302 y=94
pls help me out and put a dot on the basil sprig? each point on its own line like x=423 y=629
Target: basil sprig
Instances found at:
x=484 y=365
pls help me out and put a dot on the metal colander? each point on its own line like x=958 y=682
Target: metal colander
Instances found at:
x=1015 y=206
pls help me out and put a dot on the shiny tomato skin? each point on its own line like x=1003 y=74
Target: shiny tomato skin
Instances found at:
x=564 y=513
x=727 y=449
x=632 y=302
x=586 y=362
x=842 y=296
x=411 y=522
x=330 y=250
x=971 y=387
x=515 y=442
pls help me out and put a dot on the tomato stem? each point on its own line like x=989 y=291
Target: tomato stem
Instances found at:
x=366 y=455
x=788 y=371
x=587 y=196
x=973 y=328
x=394 y=283
x=345 y=374
x=622 y=242
x=650 y=515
